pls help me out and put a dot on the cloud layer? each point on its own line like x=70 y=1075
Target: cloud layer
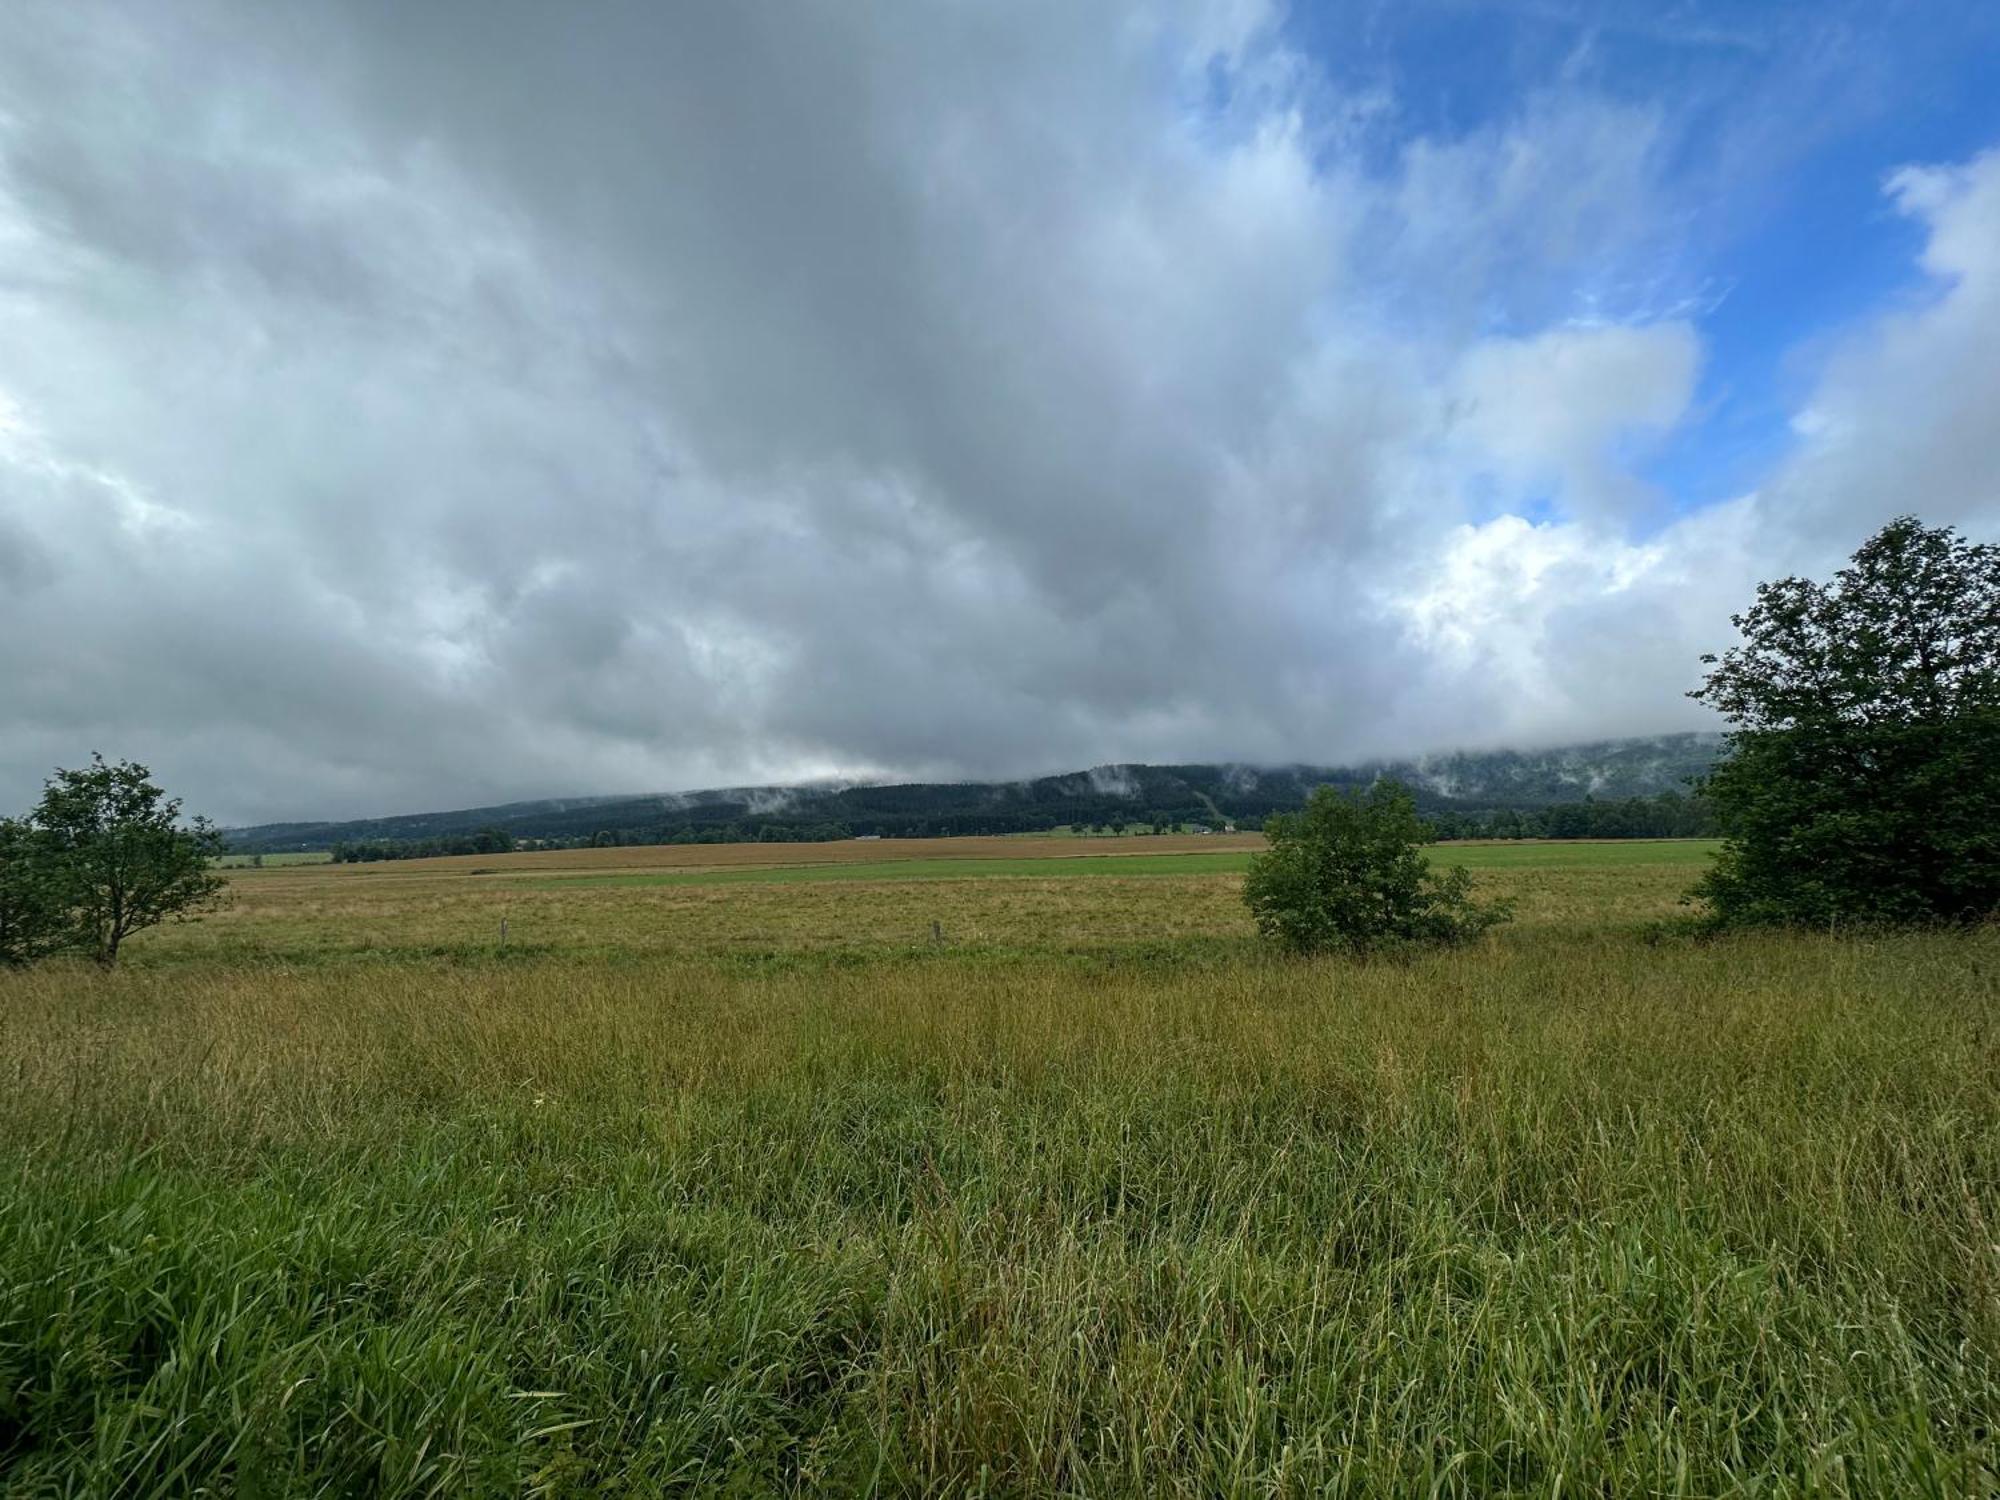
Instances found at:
x=435 y=405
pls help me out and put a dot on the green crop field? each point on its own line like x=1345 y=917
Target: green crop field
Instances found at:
x=732 y=1176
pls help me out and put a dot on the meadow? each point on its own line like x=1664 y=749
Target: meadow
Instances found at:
x=991 y=1170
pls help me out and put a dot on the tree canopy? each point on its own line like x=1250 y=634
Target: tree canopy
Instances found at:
x=1863 y=779
x=34 y=911
x=104 y=854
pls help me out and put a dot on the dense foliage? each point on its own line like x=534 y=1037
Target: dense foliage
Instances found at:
x=486 y=841
x=33 y=912
x=1863 y=782
x=1348 y=874
x=104 y=854
x=1667 y=816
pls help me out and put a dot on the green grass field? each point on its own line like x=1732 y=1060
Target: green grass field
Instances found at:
x=750 y=1187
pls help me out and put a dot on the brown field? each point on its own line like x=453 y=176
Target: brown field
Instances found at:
x=834 y=852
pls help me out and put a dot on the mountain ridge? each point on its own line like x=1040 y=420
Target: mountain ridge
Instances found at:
x=1458 y=781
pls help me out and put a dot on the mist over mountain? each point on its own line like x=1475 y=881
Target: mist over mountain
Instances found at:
x=1213 y=794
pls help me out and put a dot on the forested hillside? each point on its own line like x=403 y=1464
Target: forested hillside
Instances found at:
x=1620 y=788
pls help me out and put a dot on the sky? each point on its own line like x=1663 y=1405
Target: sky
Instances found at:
x=407 y=407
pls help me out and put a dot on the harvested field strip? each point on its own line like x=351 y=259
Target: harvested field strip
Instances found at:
x=1225 y=863
x=1221 y=862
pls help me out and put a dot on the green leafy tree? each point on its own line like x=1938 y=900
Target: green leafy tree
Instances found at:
x=126 y=861
x=34 y=910
x=1348 y=874
x=1863 y=779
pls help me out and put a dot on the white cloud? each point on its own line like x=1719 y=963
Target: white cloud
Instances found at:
x=1905 y=413
x=1554 y=409
x=716 y=394
x=1581 y=621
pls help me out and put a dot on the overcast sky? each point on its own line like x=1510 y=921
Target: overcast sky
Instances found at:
x=419 y=405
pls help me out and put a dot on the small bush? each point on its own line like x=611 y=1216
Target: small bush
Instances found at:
x=1348 y=874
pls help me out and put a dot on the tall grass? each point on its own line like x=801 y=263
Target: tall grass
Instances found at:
x=1570 y=1215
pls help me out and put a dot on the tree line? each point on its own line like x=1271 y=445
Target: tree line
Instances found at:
x=1668 y=815
x=485 y=841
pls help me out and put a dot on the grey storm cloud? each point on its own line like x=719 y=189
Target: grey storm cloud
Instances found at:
x=404 y=406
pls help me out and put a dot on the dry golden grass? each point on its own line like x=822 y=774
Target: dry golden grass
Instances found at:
x=434 y=906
